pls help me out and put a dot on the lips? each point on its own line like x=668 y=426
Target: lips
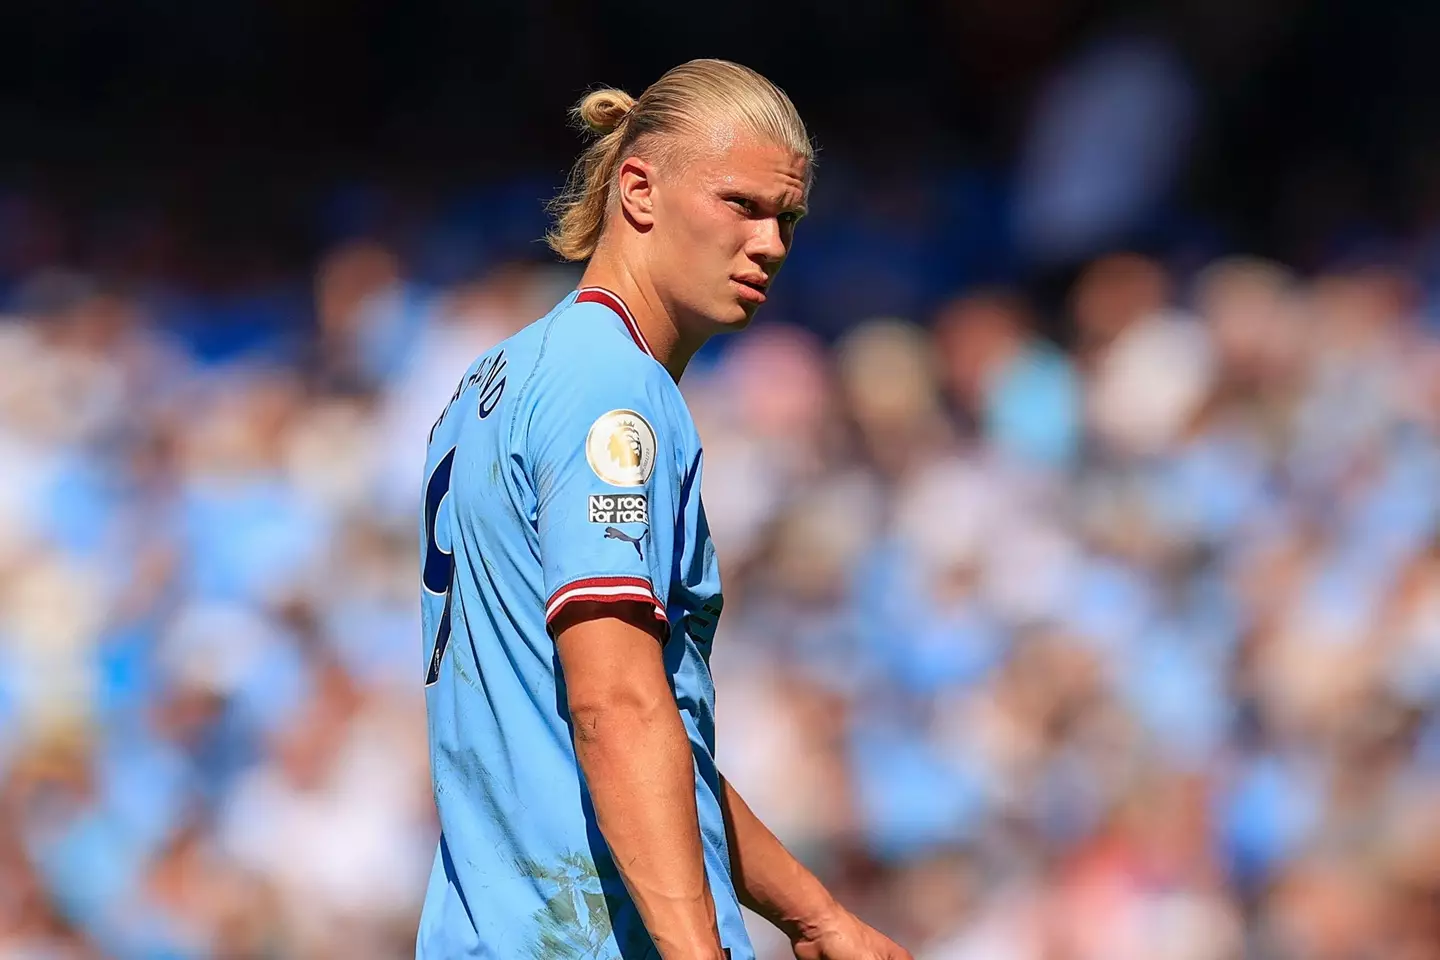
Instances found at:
x=750 y=291
x=757 y=284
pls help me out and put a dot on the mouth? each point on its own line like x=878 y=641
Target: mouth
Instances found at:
x=751 y=288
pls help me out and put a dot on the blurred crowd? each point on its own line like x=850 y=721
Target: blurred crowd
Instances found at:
x=1126 y=648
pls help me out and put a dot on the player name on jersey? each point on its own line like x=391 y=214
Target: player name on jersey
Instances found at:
x=622 y=508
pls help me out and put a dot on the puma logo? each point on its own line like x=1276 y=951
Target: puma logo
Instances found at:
x=611 y=533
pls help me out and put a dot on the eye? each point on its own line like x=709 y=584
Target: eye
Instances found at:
x=790 y=217
x=742 y=204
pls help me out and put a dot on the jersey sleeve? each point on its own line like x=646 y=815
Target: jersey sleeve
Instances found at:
x=606 y=454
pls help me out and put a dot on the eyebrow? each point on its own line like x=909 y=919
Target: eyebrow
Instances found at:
x=800 y=206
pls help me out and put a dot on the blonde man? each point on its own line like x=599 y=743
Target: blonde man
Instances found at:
x=571 y=591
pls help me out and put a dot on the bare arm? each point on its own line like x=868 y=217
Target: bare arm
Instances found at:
x=770 y=881
x=637 y=763
x=768 y=878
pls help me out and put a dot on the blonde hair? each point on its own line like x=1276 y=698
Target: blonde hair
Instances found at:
x=680 y=107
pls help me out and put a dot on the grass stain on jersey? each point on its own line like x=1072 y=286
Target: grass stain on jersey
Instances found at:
x=574 y=924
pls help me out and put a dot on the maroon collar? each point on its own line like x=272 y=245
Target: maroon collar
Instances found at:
x=613 y=301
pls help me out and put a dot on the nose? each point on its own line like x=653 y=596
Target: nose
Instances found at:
x=767 y=245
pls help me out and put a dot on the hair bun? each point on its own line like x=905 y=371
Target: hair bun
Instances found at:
x=603 y=110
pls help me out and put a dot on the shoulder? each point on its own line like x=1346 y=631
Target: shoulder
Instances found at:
x=586 y=333
x=586 y=358
x=595 y=391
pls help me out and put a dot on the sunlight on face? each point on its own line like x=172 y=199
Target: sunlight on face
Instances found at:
x=723 y=228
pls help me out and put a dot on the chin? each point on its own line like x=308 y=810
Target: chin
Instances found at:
x=735 y=315
x=726 y=315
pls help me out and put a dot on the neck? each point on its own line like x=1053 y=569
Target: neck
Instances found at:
x=657 y=320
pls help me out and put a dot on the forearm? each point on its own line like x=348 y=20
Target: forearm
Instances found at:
x=768 y=878
x=639 y=770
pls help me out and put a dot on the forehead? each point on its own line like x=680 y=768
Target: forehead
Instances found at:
x=753 y=165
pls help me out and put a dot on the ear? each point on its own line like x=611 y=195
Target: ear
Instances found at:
x=637 y=191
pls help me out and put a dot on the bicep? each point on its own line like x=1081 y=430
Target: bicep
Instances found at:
x=611 y=656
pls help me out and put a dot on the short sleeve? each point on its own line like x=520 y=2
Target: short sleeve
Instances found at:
x=604 y=454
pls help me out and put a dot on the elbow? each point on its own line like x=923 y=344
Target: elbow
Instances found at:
x=616 y=714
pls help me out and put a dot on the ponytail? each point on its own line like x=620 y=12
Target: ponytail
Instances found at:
x=580 y=210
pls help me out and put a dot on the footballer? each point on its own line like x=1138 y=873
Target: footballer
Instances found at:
x=570 y=587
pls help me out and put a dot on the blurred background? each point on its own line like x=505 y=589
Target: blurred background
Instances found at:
x=1077 y=492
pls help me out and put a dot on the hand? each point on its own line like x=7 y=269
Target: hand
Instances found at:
x=845 y=937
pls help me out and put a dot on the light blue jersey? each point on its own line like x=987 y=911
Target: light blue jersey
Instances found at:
x=565 y=468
